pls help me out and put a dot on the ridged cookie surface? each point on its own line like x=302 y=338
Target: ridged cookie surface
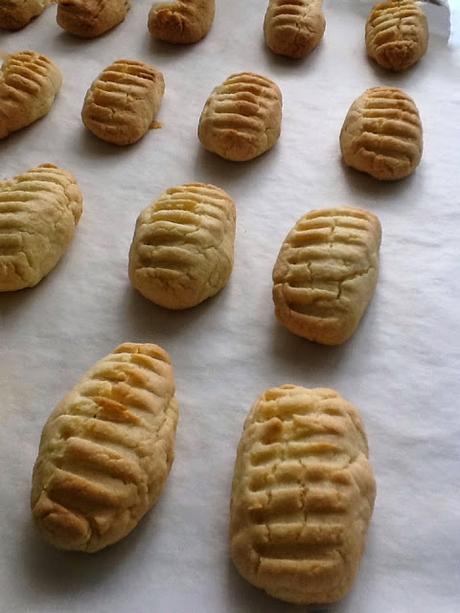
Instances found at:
x=106 y=450
x=91 y=18
x=29 y=83
x=242 y=117
x=39 y=212
x=303 y=494
x=396 y=34
x=182 y=250
x=16 y=14
x=382 y=134
x=326 y=273
x=294 y=27
x=181 y=22
x=122 y=103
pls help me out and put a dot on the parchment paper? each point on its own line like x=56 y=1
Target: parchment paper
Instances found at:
x=401 y=369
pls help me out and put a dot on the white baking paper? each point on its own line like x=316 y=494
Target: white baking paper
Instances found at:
x=401 y=368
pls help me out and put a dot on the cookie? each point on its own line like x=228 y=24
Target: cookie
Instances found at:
x=91 y=18
x=122 y=103
x=302 y=496
x=39 y=212
x=182 y=250
x=326 y=272
x=396 y=34
x=294 y=27
x=16 y=14
x=29 y=83
x=106 y=451
x=382 y=134
x=242 y=117
x=182 y=22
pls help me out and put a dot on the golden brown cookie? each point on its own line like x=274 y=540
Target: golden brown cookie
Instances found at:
x=91 y=18
x=181 y=22
x=106 y=450
x=16 y=14
x=122 y=103
x=382 y=134
x=294 y=27
x=39 y=212
x=396 y=34
x=242 y=117
x=182 y=250
x=303 y=495
x=29 y=83
x=326 y=272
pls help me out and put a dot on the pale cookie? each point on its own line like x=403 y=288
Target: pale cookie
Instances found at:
x=396 y=34
x=91 y=18
x=39 y=212
x=303 y=495
x=122 y=103
x=182 y=250
x=382 y=134
x=29 y=83
x=294 y=27
x=242 y=117
x=106 y=450
x=326 y=272
x=181 y=22
x=16 y=14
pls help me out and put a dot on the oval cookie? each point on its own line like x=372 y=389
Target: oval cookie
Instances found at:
x=29 y=83
x=303 y=495
x=122 y=103
x=91 y=18
x=396 y=34
x=39 y=212
x=16 y=14
x=242 y=117
x=181 y=22
x=106 y=450
x=182 y=250
x=382 y=134
x=294 y=27
x=326 y=273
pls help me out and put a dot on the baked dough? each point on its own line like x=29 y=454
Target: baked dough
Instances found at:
x=16 y=14
x=29 y=83
x=182 y=250
x=122 y=103
x=91 y=18
x=294 y=27
x=39 y=212
x=326 y=273
x=396 y=34
x=181 y=22
x=303 y=494
x=106 y=450
x=382 y=134
x=242 y=117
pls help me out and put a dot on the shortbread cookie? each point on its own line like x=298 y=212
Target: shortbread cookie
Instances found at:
x=303 y=495
x=242 y=117
x=106 y=450
x=182 y=250
x=382 y=134
x=122 y=103
x=326 y=273
x=294 y=27
x=16 y=14
x=39 y=212
x=181 y=22
x=29 y=83
x=396 y=34
x=91 y=18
